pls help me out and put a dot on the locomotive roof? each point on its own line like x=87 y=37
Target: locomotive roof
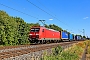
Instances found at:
x=52 y=30
x=45 y=28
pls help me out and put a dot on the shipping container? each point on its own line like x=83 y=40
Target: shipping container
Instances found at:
x=64 y=35
x=77 y=37
x=71 y=36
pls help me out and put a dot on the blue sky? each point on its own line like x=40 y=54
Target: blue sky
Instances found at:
x=71 y=15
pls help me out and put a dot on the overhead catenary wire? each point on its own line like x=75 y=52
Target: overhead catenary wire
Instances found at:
x=28 y=10
x=25 y=10
x=18 y=5
x=45 y=7
x=18 y=11
x=37 y=7
x=50 y=11
x=47 y=12
x=28 y=14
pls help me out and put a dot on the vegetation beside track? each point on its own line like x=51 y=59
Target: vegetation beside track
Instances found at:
x=73 y=53
x=88 y=51
x=14 y=30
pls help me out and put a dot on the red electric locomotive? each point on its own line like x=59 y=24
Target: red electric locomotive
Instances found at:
x=42 y=35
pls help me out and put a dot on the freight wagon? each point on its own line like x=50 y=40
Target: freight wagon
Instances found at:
x=78 y=37
x=71 y=37
x=64 y=35
x=67 y=36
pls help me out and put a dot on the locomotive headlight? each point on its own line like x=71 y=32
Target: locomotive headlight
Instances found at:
x=37 y=34
x=30 y=34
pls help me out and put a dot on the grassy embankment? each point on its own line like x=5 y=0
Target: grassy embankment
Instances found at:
x=73 y=53
x=88 y=51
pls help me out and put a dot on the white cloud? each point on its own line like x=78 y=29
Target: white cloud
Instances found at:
x=50 y=19
x=85 y=17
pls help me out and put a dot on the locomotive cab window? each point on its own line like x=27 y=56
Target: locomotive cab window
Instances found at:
x=32 y=30
x=35 y=29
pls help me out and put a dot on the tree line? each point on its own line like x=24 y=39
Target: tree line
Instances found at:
x=15 y=31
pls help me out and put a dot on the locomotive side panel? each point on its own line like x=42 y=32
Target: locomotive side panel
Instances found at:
x=51 y=35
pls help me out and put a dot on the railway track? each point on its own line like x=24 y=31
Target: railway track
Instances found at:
x=13 y=51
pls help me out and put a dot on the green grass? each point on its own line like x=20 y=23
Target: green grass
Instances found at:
x=73 y=53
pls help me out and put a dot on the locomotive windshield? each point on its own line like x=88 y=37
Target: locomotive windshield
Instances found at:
x=35 y=29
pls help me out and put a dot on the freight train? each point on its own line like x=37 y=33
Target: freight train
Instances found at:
x=42 y=34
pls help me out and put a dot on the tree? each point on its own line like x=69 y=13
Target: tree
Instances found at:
x=84 y=36
x=53 y=26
